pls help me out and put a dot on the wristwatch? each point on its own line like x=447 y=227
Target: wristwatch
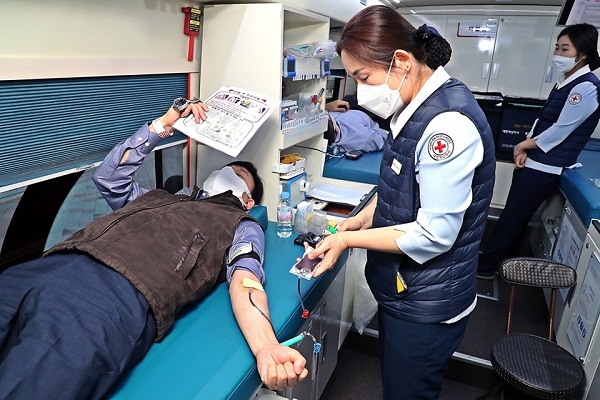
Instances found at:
x=181 y=103
x=160 y=129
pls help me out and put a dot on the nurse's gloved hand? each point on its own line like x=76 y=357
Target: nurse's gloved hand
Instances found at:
x=280 y=367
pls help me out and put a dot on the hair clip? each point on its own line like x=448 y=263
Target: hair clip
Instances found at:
x=426 y=32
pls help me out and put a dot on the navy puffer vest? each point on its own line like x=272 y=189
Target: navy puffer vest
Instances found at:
x=565 y=153
x=445 y=286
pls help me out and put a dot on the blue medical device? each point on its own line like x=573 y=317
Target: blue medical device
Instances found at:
x=325 y=67
x=294 y=186
x=289 y=66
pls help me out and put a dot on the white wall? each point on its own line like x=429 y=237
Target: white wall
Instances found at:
x=341 y=10
x=63 y=38
x=69 y=38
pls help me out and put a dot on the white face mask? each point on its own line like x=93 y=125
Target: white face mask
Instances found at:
x=225 y=179
x=564 y=64
x=380 y=99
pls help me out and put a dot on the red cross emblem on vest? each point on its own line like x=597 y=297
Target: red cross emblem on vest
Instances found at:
x=575 y=98
x=440 y=146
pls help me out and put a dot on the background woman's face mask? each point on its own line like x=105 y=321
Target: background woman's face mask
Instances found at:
x=225 y=179
x=564 y=64
x=380 y=99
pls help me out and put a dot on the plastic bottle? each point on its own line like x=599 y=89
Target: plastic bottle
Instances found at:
x=284 y=216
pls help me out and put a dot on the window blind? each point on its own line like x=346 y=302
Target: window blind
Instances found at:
x=50 y=126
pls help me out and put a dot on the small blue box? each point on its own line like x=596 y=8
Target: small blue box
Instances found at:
x=289 y=67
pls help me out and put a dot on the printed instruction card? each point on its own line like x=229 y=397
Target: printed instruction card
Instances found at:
x=234 y=116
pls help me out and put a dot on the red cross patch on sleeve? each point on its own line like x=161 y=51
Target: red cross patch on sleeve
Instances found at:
x=440 y=146
x=575 y=98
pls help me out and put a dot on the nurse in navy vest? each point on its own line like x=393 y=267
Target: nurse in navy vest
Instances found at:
x=564 y=126
x=423 y=229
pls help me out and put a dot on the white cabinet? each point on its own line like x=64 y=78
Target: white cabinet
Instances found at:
x=520 y=55
x=546 y=225
x=569 y=243
x=506 y=54
x=242 y=45
x=510 y=54
x=472 y=40
x=579 y=330
x=324 y=324
x=570 y=237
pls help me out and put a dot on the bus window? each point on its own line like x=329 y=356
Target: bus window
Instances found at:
x=40 y=215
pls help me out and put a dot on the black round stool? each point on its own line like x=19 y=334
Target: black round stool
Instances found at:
x=538 y=367
x=534 y=365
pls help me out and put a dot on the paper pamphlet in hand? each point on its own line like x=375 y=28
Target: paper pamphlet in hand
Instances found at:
x=234 y=116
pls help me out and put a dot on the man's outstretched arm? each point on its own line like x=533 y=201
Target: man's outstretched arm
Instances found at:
x=114 y=177
x=279 y=366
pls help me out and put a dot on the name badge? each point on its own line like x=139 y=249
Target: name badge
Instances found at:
x=396 y=167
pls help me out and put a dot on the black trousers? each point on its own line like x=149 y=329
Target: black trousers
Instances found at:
x=415 y=356
x=528 y=190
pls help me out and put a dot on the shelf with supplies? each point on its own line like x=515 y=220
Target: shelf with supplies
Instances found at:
x=308 y=60
x=305 y=68
x=287 y=167
x=304 y=132
x=254 y=61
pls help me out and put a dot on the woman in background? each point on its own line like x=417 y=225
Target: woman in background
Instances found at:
x=423 y=230
x=564 y=126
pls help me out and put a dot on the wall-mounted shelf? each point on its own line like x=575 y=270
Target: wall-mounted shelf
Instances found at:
x=292 y=138
x=255 y=36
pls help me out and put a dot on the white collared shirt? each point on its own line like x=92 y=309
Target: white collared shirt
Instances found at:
x=571 y=116
x=444 y=183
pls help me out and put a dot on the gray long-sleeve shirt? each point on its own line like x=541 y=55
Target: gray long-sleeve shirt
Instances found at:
x=115 y=181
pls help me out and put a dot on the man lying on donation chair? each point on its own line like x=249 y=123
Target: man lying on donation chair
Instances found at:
x=74 y=321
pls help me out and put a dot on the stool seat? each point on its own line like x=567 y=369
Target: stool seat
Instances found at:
x=538 y=367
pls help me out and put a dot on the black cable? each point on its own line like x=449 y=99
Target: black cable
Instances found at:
x=342 y=149
x=300 y=295
x=327 y=154
x=311 y=148
x=259 y=310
